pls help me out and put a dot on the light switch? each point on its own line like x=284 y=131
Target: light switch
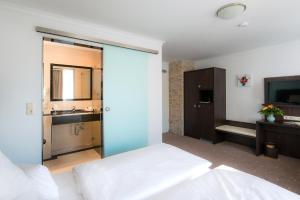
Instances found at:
x=29 y=108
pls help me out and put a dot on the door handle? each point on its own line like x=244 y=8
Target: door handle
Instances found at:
x=199 y=105
x=195 y=106
x=107 y=109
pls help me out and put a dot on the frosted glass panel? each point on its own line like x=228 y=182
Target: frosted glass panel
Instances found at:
x=125 y=95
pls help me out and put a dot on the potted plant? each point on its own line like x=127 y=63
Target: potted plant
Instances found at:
x=271 y=112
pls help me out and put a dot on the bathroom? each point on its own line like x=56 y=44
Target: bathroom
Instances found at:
x=72 y=103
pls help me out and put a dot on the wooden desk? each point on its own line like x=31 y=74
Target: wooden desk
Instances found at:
x=285 y=135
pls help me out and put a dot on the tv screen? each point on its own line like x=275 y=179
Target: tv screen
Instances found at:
x=285 y=92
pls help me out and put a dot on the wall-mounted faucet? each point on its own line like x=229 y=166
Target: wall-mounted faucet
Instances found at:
x=53 y=110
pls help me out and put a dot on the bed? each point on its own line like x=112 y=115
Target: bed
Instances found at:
x=226 y=183
x=138 y=174
x=135 y=174
x=67 y=186
x=132 y=175
x=221 y=183
x=155 y=172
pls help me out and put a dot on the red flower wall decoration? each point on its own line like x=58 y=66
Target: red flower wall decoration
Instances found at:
x=244 y=80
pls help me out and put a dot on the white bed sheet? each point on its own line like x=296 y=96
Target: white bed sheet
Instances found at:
x=67 y=187
x=225 y=183
x=138 y=174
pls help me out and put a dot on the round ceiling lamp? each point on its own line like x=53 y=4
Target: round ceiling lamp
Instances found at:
x=231 y=10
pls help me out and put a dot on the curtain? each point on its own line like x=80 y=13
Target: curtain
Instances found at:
x=57 y=84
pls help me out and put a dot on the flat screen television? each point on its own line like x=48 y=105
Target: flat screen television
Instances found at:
x=285 y=91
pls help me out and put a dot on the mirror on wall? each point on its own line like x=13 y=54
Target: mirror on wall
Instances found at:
x=70 y=82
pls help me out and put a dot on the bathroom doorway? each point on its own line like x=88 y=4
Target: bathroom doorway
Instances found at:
x=72 y=104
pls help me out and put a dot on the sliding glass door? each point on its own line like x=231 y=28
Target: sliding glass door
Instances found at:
x=125 y=100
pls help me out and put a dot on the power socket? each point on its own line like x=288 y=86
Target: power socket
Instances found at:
x=29 y=108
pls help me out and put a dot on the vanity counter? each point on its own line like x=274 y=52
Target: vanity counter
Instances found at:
x=75 y=118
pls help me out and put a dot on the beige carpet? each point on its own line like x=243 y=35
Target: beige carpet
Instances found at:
x=284 y=171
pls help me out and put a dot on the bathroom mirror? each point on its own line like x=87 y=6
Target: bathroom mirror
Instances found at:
x=70 y=83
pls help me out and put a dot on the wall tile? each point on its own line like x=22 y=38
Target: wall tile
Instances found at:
x=176 y=70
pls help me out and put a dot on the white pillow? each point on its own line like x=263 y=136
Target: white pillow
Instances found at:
x=13 y=182
x=42 y=181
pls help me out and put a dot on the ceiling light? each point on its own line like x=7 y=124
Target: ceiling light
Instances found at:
x=231 y=10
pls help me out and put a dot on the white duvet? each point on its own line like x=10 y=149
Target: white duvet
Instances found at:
x=67 y=186
x=225 y=183
x=137 y=174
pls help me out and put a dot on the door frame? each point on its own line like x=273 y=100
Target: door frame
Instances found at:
x=75 y=42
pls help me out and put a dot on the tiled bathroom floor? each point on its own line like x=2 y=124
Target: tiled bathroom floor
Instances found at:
x=67 y=162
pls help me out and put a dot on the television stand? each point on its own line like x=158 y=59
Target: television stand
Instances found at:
x=285 y=135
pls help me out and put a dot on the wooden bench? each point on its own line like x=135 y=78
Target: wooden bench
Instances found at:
x=238 y=132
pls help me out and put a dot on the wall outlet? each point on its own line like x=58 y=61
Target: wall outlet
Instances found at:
x=29 y=108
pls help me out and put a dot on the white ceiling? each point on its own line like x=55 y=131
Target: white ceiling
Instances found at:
x=189 y=27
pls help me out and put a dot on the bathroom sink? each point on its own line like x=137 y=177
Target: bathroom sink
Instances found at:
x=76 y=116
x=70 y=112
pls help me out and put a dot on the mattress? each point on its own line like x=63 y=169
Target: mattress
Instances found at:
x=225 y=183
x=138 y=174
x=67 y=186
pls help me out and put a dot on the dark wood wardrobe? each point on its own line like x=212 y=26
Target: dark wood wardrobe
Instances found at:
x=204 y=102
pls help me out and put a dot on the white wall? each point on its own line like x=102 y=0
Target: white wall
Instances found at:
x=271 y=61
x=21 y=76
x=165 y=88
x=155 y=99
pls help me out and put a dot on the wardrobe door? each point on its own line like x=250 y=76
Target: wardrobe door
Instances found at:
x=191 y=123
x=206 y=79
x=125 y=100
x=206 y=120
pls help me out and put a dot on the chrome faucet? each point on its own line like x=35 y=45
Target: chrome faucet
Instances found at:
x=53 y=110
